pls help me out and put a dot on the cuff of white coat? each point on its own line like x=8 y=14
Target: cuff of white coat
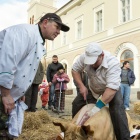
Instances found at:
x=6 y=80
x=100 y=103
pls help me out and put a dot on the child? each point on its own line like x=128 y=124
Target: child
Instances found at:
x=44 y=93
x=60 y=79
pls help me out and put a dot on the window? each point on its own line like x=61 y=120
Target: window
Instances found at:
x=98 y=18
x=125 y=10
x=127 y=55
x=79 y=29
x=129 y=52
x=99 y=21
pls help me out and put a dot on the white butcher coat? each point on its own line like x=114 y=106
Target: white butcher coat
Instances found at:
x=21 y=48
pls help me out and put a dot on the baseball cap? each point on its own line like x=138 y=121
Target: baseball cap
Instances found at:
x=92 y=52
x=57 y=19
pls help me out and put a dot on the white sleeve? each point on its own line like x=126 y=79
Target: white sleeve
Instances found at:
x=13 y=47
x=79 y=64
x=113 y=75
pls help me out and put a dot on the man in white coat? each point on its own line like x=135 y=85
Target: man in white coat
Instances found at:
x=21 y=48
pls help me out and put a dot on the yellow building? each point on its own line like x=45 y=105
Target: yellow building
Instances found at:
x=114 y=24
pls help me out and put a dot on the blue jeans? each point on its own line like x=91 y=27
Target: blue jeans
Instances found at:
x=125 y=91
x=51 y=95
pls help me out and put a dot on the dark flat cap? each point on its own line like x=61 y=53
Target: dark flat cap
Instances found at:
x=57 y=19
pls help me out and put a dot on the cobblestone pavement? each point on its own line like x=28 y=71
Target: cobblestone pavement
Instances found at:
x=68 y=107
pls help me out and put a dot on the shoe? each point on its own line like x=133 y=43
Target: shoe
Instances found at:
x=127 y=109
x=49 y=108
x=27 y=110
x=43 y=107
x=55 y=110
x=52 y=107
x=62 y=111
x=32 y=110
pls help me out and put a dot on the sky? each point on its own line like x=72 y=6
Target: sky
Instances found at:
x=15 y=12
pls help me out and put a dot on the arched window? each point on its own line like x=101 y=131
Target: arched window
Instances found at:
x=127 y=55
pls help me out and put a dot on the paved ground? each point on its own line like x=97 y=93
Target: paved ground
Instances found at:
x=68 y=107
x=133 y=97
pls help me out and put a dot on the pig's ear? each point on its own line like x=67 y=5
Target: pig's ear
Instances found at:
x=62 y=125
x=82 y=132
x=87 y=130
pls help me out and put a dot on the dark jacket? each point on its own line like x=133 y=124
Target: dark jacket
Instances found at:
x=130 y=76
x=39 y=74
x=51 y=70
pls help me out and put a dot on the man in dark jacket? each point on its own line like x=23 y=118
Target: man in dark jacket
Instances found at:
x=31 y=95
x=21 y=54
x=51 y=70
x=127 y=79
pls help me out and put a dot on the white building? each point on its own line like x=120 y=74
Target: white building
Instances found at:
x=114 y=24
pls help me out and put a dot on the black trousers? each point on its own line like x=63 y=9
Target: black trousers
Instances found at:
x=116 y=109
x=31 y=97
x=5 y=138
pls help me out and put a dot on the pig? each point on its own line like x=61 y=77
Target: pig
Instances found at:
x=98 y=127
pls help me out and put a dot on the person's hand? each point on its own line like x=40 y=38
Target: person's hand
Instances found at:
x=58 y=79
x=61 y=80
x=50 y=83
x=83 y=90
x=88 y=114
x=9 y=103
